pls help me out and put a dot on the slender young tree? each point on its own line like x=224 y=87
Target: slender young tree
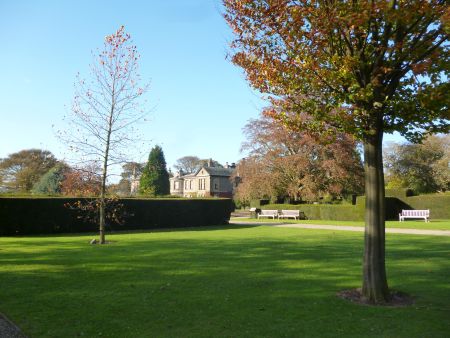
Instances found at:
x=365 y=67
x=106 y=109
x=155 y=177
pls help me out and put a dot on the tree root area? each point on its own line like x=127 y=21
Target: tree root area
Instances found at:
x=396 y=298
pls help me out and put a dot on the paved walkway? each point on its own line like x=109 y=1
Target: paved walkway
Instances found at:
x=348 y=228
x=9 y=329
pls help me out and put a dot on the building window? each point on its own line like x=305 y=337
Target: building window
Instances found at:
x=201 y=184
x=176 y=185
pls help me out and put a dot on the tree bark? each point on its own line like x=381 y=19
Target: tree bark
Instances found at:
x=375 y=288
x=102 y=220
x=102 y=207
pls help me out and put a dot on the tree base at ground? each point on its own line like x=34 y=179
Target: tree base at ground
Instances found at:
x=396 y=298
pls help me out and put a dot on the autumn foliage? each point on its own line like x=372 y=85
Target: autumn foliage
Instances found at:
x=363 y=67
x=81 y=183
x=105 y=112
x=303 y=166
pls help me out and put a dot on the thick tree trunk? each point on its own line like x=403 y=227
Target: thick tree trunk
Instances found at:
x=375 y=288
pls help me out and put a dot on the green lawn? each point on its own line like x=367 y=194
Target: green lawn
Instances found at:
x=438 y=224
x=253 y=281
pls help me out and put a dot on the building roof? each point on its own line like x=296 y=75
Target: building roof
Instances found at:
x=217 y=171
x=212 y=171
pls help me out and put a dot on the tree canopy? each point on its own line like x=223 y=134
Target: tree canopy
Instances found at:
x=21 y=170
x=50 y=183
x=362 y=67
x=287 y=163
x=423 y=168
x=355 y=64
x=155 y=177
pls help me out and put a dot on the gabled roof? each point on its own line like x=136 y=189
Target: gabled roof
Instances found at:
x=212 y=171
x=217 y=171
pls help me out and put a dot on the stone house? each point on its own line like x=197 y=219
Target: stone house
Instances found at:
x=207 y=181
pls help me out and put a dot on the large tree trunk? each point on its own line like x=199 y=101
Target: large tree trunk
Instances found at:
x=375 y=287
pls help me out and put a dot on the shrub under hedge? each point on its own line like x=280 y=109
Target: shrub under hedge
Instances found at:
x=24 y=216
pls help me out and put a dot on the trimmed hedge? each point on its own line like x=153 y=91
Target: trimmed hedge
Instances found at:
x=400 y=193
x=25 y=216
x=438 y=204
x=338 y=212
x=258 y=203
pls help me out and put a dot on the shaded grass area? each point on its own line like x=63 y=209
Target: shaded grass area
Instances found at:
x=438 y=224
x=219 y=282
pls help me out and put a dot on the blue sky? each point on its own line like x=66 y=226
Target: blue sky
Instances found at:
x=199 y=101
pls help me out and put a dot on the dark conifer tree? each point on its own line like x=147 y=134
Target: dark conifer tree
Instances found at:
x=155 y=177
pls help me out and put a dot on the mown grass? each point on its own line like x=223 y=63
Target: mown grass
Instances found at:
x=438 y=224
x=253 y=281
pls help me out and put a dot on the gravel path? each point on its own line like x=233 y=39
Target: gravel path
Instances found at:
x=8 y=329
x=349 y=228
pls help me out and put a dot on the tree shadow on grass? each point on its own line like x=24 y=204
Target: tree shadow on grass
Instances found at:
x=247 y=282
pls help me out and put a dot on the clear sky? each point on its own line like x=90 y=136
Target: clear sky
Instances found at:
x=199 y=101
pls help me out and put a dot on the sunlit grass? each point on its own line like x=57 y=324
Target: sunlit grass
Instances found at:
x=438 y=224
x=252 y=281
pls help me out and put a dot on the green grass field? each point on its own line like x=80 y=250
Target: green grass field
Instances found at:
x=438 y=224
x=237 y=281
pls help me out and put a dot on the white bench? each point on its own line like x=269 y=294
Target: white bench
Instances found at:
x=295 y=214
x=268 y=213
x=425 y=214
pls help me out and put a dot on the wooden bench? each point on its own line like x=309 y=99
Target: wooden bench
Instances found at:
x=425 y=214
x=295 y=214
x=268 y=213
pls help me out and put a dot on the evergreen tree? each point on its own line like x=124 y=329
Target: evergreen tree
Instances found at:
x=155 y=177
x=50 y=182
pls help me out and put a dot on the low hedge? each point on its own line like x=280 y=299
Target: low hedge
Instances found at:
x=25 y=216
x=438 y=204
x=344 y=212
x=257 y=203
x=400 y=193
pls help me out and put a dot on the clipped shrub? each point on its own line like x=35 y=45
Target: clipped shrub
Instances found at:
x=25 y=216
x=399 y=193
x=343 y=212
x=257 y=203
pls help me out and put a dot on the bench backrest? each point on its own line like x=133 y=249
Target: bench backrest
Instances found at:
x=413 y=213
x=291 y=212
x=269 y=212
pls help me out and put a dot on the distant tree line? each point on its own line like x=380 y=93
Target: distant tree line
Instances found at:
x=39 y=172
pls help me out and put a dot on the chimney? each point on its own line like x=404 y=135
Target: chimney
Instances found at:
x=210 y=162
x=226 y=165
